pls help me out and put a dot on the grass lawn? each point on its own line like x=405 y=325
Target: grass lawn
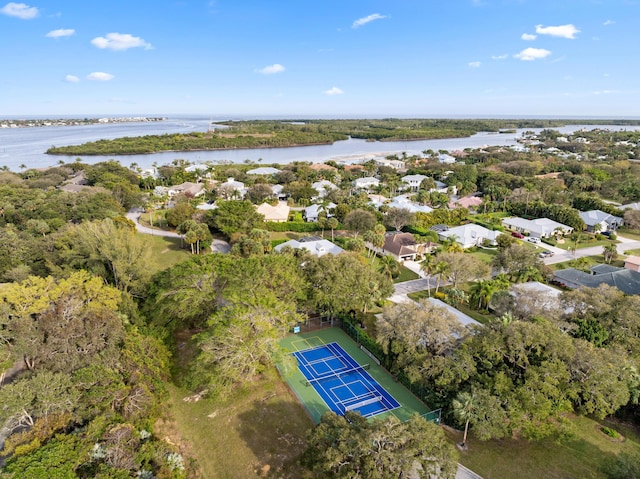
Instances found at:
x=405 y=273
x=593 y=260
x=629 y=233
x=485 y=255
x=582 y=456
x=258 y=432
x=165 y=252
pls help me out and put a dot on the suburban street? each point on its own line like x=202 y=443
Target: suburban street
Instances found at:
x=560 y=255
x=217 y=245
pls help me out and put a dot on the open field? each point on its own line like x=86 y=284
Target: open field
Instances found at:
x=165 y=252
x=582 y=456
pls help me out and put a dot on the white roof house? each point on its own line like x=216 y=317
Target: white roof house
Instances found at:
x=195 y=168
x=323 y=187
x=403 y=202
x=264 y=170
x=277 y=191
x=470 y=235
x=232 y=185
x=366 y=182
x=188 y=188
x=377 y=200
x=597 y=217
x=278 y=213
x=630 y=206
x=447 y=159
x=538 y=228
x=395 y=164
x=312 y=212
x=464 y=319
x=414 y=181
x=313 y=244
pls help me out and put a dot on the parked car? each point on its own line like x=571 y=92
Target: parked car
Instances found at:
x=533 y=240
x=517 y=234
x=546 y=254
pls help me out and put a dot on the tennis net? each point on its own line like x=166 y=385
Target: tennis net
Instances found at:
x=360 y=404
x=336 y=374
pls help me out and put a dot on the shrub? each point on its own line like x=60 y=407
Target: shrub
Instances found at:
x=610 y=432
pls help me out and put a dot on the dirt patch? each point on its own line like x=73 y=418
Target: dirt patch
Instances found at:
x=166 y=250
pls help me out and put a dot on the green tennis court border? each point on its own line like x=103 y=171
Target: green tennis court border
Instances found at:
x=313 y=403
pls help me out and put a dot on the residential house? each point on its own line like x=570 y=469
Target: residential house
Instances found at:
x=187 y=188
x=401 y=246
x=323 y=187
x=201 y=167
x=632 y=263
x=470 y=235
x=366 y=183
x=232 y=188
x=464 y=319
x=377 y=200
x=311 y=213
x=264 y=170
x=598 y=221
x=150 y=173
x=443 y=188
x=630 y=206
x=414 y=181
x=395 y=164
x=278 y=192
x=403 y=202
x=538 y=228
x=276 y=214
x=446 y=159
x=313 y=244
x=469 y=202
x=626 y=280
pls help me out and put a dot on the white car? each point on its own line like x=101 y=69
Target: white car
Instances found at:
x=533 y=240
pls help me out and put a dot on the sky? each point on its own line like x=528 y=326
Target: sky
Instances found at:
x=335 y=58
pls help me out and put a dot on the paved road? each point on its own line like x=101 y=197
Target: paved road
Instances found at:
x=217 y=245
x=561 y=255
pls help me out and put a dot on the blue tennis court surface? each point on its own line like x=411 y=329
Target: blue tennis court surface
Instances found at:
x=342 y=383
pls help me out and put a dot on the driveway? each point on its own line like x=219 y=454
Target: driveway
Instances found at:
x=217 y=245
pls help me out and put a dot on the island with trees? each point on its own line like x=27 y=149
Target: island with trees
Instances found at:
x=288 y=133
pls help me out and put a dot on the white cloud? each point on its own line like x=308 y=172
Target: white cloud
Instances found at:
x=530 y=54
x=528 y=37
x=605 y=92
x=62 y=32
x=19 y=10
x=333 y=91
x=71 y=79
x=500 y=57
x=100 y=76
x=609 y=22
x=369 y=18
x=271 y=69
x=120 y=41
x=474 y=64
x=563 y=31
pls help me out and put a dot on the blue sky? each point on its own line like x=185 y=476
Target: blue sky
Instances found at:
x=336 y=58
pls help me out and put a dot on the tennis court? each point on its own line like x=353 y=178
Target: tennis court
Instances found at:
x=342 y=383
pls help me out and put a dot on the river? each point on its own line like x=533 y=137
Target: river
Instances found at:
x=27 y=146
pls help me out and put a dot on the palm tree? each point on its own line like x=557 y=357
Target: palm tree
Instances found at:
x=427 y=266
x=389 y=266
x=442 y=270
x=610 y=252
x=481 y=291
x=464 y=409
